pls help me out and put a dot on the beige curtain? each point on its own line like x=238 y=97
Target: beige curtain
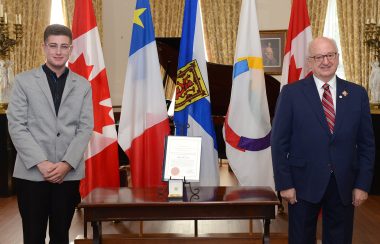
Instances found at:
x=167 y=17
x=68 y=12
x=317 y=13
x=352 y=15
x=220 y=19
x=35 y=17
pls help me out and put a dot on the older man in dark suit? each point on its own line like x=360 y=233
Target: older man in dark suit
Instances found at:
x=323 y=149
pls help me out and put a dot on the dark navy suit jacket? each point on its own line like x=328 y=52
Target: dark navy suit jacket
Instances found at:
x=304 y=151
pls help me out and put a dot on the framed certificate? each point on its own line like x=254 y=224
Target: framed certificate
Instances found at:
x=182 y=158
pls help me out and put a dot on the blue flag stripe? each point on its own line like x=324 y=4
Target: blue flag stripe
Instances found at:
x=188 y=29
x=142 y=36
x=240 y=67
x=181 y=122
x=200 y=111
x=202 y=114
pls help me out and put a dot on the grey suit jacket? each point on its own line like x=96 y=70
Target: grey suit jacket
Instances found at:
x=39 y=134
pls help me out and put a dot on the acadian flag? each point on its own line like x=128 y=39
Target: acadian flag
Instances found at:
x=102 y=161
x=144 y=122
x=247 y=125
x=192 y=115
x=298 y=37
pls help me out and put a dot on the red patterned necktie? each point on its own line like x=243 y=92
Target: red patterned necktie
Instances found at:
x=328 y=107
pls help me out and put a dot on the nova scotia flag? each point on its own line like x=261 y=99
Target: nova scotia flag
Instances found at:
x=192 y=116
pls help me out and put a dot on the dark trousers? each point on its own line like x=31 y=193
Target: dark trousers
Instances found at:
x=337 y=219
x=43 y=202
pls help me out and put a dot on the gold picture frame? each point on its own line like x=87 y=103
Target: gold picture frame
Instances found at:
x=272 y=46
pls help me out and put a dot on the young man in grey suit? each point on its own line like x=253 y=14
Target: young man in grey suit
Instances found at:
x=50 y=122
x=323 y=149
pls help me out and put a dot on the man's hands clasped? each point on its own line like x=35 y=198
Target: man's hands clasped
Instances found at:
x=54 y=172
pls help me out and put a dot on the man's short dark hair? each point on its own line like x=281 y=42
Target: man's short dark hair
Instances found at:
x=57 y=30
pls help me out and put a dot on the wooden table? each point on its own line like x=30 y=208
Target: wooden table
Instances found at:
x=211 y=203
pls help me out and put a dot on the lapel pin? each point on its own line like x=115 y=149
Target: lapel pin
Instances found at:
x=345 y=93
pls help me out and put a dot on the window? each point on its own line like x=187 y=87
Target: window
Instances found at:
x=331 y=30
x=56 y=13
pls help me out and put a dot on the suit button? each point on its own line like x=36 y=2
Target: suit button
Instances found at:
x=58 y=134
x=330 y=167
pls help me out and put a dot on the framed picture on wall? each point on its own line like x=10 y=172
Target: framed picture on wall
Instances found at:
x=272 y=45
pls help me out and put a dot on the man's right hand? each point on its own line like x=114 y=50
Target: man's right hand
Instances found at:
x=45 y=167
x=289 y=195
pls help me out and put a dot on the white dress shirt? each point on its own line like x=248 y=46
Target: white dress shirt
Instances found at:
x=332 y=86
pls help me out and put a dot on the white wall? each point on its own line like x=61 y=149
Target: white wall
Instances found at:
x=117 y=30
x=117 y=26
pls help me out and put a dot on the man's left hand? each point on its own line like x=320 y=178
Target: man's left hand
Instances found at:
x=358 y=197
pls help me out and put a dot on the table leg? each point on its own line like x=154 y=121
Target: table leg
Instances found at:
x=250 y=227
x=141 y=228
x=85 y=228
x=196 y=228
x=281 y=208
x=96 y=232
x=266 y=223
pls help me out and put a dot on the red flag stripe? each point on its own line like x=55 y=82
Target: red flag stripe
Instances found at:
x=146 y=156
x=298 y=38
x=97 y=164
x=84 y=18
x=295 y=25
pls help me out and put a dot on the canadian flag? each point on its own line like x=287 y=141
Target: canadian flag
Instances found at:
x=102 y=162
x=298 y=37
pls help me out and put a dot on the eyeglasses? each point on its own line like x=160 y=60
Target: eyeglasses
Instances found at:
x=54 y=47
x=320 y=58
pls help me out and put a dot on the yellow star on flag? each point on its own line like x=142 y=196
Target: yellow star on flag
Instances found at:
x=136 y=16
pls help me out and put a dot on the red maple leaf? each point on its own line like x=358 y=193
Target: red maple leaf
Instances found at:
x=100 y=92
x=294 y=72
x=81 y=68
